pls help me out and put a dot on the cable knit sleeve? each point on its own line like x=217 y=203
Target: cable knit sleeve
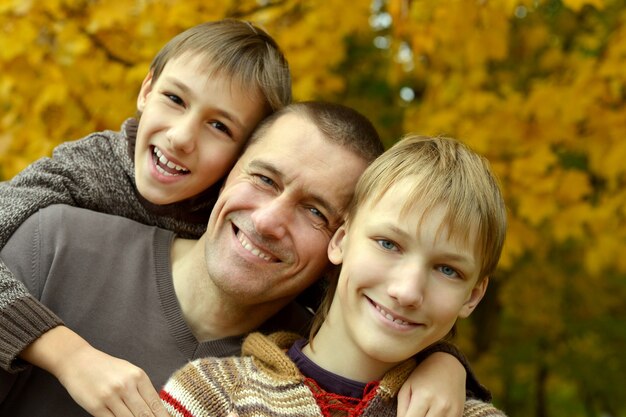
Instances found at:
x=475 y=408
x=67 y=178
x=200 y=388
x=96 y=173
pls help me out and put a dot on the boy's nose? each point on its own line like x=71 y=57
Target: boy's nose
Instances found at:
x=183 y=136
x=407 y=286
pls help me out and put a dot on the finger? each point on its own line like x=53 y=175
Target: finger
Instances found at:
x=404 y=397
x=119 y=408
x=412 y=405
x=419 y=409
x=440 y=408
x=445 y=410
x=152 y=399
x=137 y=405
x=105 y=412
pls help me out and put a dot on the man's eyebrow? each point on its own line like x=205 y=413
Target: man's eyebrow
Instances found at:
x=230 y=116
x=332 y=213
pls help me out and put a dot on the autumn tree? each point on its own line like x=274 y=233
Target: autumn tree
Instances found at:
x=537 y=86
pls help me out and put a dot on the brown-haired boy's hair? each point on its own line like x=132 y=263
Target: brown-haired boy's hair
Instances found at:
x=237 y=49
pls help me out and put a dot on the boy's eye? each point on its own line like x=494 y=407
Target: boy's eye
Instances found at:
x=448 y=271
x=221 y=126
x=387 y=244
x=175 y=99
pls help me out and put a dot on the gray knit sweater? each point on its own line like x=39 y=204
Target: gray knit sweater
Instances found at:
x=97 y=173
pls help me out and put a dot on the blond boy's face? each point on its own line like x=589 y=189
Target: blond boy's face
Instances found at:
x=402 y=285
x=192 y=129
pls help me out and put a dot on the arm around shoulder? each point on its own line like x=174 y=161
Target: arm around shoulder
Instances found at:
x=45 y=182
x=23 y=318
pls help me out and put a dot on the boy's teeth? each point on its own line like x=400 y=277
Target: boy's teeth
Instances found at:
x=390 y=317
x=163 y=160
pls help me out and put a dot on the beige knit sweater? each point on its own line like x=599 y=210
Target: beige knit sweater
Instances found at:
x=265 y=382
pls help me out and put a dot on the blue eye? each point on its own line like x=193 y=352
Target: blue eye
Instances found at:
x=316 y=212
x=448 y=271
x=317 y=215
x=266 y=180
x=387 y=244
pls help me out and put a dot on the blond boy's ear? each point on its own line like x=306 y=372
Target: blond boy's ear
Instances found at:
x=146 y=88
x=335 y=246
x=474 y=298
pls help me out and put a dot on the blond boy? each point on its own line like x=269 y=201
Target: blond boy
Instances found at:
x=424 y=232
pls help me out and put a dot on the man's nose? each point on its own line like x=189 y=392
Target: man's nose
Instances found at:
x=272 y=218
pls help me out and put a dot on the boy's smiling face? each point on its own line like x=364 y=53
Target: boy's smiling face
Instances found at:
x=403 y=283
x=193 y=127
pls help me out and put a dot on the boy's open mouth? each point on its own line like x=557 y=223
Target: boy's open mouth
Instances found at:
x=165 y=166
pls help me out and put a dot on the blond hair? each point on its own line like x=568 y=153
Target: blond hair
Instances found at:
x=444 y=173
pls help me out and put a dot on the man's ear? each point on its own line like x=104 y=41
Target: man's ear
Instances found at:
x=474 y=298
x=146 y=89
x=335 y=246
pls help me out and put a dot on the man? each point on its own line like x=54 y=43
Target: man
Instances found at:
x=265 y=242
x=156 y=301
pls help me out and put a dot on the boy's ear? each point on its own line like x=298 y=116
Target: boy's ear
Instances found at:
x=146 y=88
x=335 y=246
x=474 y=298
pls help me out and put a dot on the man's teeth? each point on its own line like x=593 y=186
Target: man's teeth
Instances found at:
x=390 y=317
x=163 y=160
x=252 y=249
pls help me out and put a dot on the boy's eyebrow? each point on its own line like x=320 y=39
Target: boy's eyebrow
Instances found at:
x=222 y=113
x=453 y=256
x=317 y=199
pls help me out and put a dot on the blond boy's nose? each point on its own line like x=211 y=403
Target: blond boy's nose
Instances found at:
x=407 y=287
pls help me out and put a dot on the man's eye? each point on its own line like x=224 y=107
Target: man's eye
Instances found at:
x=266 y=180
x=387 y=244
x=318 y=214
x=221 y=126
x=175 y=99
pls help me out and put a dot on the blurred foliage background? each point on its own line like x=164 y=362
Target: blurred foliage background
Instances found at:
x=537 y=86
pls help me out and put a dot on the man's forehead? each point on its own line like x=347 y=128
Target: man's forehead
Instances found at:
x=296 y=151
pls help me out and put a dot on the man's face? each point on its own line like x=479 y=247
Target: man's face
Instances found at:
x=192 y=129
x=269 y=230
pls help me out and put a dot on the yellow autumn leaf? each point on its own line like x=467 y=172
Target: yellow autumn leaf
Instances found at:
x=603 y=253
x=571 y=222
x=576 y=5
x=574 y=186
